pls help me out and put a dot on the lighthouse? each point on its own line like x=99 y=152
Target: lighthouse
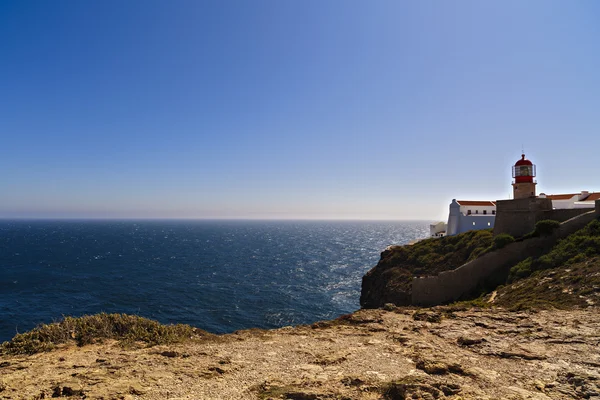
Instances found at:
x=523 y=173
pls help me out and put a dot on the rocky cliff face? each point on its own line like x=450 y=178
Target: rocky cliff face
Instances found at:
x=386 y=283
x=393 y=354
x=390 y=280
x=575 y=259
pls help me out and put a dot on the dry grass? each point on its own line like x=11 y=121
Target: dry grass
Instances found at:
x=96 y=328
x=575 y=285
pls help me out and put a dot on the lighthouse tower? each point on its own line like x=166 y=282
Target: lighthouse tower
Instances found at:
x=523 y=173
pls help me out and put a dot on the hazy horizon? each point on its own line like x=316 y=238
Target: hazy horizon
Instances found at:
x=258 y=219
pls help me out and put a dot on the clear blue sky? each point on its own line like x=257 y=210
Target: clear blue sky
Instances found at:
x=292 y=109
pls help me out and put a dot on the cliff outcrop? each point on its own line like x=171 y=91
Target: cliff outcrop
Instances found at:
x=430 y=272
x=398 y=353
x=390 y=281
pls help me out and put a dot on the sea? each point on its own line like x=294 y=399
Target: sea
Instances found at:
x=218 y=275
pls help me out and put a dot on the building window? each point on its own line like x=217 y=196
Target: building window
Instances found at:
x=468 y=212
x=493 y=212
x=476 y=211
x=484 y=212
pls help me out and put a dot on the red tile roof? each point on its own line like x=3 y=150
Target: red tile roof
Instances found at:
x=561 y=196
x=476 y=203
x=593 y=197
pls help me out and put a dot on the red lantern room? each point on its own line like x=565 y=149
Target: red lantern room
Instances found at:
x=523 y=172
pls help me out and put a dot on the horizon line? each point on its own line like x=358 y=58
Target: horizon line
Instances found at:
x=49 y=218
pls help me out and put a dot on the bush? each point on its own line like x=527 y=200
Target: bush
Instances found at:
x=521 y=270
x=95 y=328
x=502 y=240
x=477 y=252
x=546 y=227
x=577 y=247
x=432 y=256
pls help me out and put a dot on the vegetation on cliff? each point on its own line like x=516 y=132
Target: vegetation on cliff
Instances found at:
x=96 y=328
x=389 y=281
x=574 y=249
x=567 y=275
x=576 y=285
x=432 y=256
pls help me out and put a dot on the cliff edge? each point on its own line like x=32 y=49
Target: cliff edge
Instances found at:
x=390 y=281
x=472 y=265
x=398 y=353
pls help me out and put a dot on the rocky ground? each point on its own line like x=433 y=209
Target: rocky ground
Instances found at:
x=401 y=353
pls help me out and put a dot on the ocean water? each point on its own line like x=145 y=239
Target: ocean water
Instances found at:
x=216 y=275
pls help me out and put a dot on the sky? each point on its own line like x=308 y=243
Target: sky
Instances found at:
x=273 y=109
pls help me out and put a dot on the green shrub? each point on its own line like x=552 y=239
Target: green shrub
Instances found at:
x=95 y=328
x=477 y=252
x=502 y=240
x=432 y=256
x=582 y=244
x=521 y=270
x=546 y=227
x=578 y=258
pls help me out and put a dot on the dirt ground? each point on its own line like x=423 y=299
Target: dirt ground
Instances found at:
x=372 y=354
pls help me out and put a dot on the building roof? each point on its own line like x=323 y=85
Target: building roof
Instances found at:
x=593 y=197
x=476 y=203
x=561 y=196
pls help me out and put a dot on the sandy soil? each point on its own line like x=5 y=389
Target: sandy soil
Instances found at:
x=373 y=354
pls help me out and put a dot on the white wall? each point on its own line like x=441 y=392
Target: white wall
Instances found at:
x=436 y=229
x=460 y=221
x=477 y=209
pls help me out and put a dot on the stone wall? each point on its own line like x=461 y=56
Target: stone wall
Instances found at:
x=491 y=268
x=564 y=214
x=518 y=217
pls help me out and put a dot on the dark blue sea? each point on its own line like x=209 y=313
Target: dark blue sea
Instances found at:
x=216 y=275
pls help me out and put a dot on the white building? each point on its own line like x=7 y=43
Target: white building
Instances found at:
x=438 y=229
x=584 y=199
x=467 y=215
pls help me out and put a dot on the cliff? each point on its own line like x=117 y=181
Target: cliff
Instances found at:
x=390 y=281
x=430 y=272
x=397 y=353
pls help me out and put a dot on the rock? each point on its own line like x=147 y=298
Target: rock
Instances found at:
x=301 y=396
x=348 y=381
x=136 y=389
x=427 y=316
x=440 y=368
x=56 y=391
x=518 y=354
x=345 y=360
x=383 y=285
x=467 y=341
x=411 y=388
x=449 y=389
x=432 y=367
